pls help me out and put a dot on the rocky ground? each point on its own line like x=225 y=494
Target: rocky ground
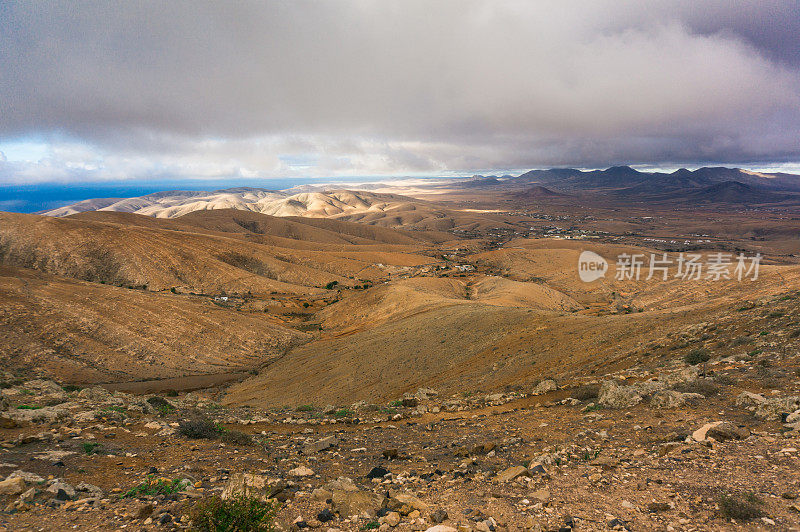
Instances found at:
x=681 y=447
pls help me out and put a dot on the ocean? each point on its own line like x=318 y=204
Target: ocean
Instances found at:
x=45 y=196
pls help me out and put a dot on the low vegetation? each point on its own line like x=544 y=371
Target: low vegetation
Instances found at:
x=740 y=506
x=199 y=428
x=236 y=514
x=156 y=486
x=697 y=356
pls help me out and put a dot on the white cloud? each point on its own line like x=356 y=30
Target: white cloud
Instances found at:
x=142 y=89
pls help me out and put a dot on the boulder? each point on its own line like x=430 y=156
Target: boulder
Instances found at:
x=12 y=486
x=301 y=471
x=749 y=400
x=727 y=431
x=681 y=376
x=362 y=503
x=613 y=395
x=38 y=391
x=27 y=476
x=251 y=486
x=84 y=489
x=47 y=414
x=512 y=472
x=399 y=499
x=701 y=433
x=770 y=409
x=792 y=418
x=544 y=387
x=673 y=399
x=320 y=445
x=95 y=393
x=59 y=485
x=774 y=409
x=423 y=394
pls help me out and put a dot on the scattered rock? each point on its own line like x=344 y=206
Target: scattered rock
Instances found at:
x=512 y=472
x=700 y=434
x=656 y=507
x=544 y=387
x=613 y=395
x=378 y=472
x=301 y=471
x=361 y=503
x=727 y=431
x=321 y=445
x=12 y=486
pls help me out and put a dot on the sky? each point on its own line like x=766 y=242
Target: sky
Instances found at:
x=154 y=91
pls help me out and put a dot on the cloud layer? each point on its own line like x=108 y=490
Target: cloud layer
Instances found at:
x=138 y=89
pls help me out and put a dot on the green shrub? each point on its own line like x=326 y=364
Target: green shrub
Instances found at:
x=236 y=437
x=343 y=412
x=331 y=285
x=161 y=405
x=71 y=388
x=236 y=514
x=696 y=356
x=305 y=408
x=586 y=392
x=199 y=428
x=90 y=447
x=28 y=407
x=741 y=340
x=156 y=486
x=701 y=386
x=740 y=506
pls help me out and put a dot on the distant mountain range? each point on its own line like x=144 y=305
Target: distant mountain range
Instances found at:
x=622 y=183
x=172 y=204
x=625 y=178
x=706 y=185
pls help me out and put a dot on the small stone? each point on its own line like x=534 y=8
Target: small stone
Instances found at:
x=301 y=471
x=655 y=507
x=541 y=495
x=143 y=511
x=321 y=445
x=438 y=516
x=392 y=519
x=326 y=515
x=378 y=472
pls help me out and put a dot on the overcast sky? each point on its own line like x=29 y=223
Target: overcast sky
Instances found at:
x=146 y=90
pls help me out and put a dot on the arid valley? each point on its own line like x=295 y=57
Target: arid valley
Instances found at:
x=391 y=361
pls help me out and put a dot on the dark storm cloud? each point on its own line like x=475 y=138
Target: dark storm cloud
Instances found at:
x=391 y=87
